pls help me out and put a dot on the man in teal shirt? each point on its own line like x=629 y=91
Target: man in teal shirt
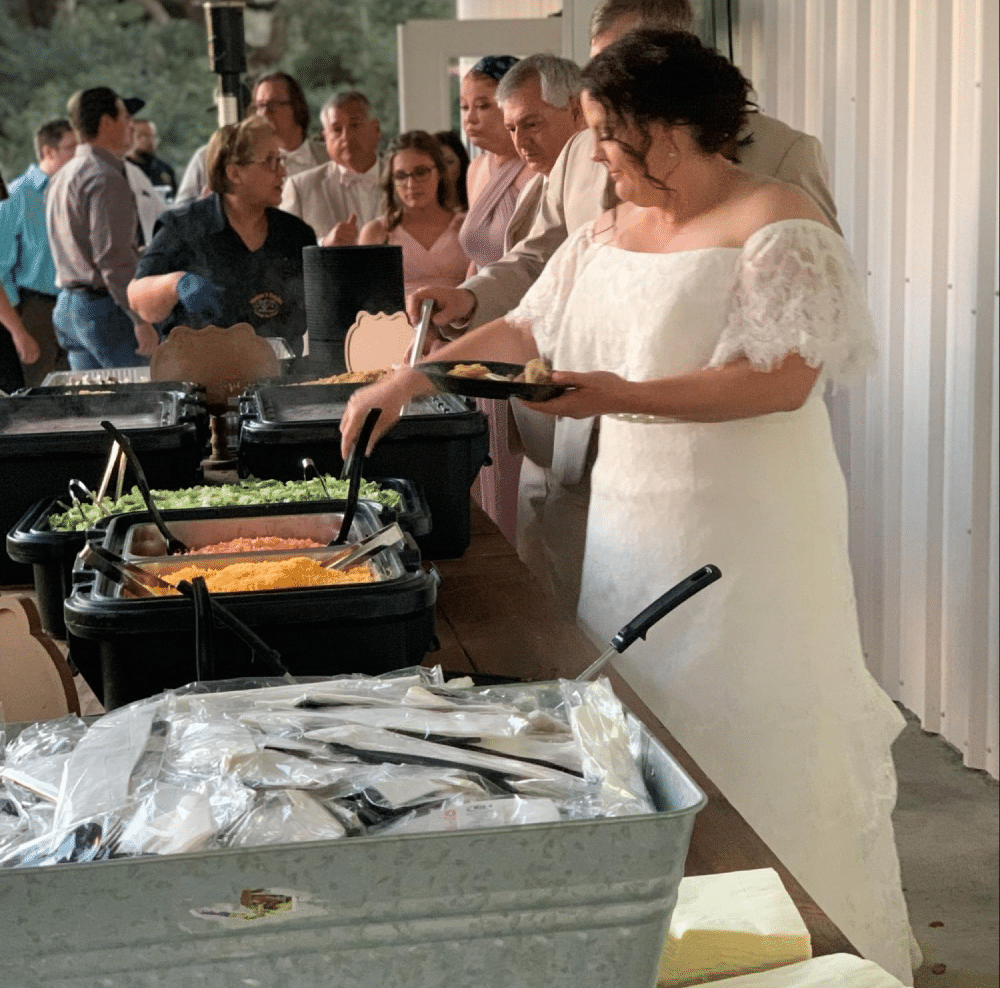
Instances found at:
x=27 y=272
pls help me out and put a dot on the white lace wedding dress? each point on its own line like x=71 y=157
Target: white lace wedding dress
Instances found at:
x=760 y=676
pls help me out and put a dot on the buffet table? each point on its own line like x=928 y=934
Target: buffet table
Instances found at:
x=493 y=618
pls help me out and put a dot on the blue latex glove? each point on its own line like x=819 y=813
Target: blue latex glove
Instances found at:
x=201 y=299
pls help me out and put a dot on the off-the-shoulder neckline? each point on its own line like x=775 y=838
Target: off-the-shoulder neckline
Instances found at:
x=768 y=227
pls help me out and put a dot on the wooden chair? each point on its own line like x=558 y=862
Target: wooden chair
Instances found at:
x=35 y=679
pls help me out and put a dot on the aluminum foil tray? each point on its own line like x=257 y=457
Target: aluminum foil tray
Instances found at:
x=107 y=375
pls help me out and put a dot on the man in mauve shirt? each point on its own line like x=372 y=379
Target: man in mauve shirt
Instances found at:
x=93 y=223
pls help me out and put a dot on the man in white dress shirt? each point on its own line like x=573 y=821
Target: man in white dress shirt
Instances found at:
x=279 y=98
x=338 y=198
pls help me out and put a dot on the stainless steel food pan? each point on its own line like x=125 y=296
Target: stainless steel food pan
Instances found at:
x=144 y=539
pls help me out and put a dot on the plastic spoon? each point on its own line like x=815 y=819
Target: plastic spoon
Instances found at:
x=639 y=625
x=174 y=545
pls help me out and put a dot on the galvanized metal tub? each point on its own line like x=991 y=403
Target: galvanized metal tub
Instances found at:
x=582 y=904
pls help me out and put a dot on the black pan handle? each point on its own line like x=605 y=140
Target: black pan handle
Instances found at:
x=174 y=545
x=664 y=604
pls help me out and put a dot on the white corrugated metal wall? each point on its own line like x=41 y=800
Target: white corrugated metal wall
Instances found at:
x=903 y=95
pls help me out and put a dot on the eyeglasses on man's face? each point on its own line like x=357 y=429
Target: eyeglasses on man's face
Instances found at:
x=270 y=105
x=419 y=174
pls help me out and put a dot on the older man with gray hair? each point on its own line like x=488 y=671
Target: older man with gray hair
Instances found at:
x=540 y=100
x=339 y=197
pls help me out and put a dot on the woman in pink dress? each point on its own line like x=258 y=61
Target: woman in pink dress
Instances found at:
x=417 y=191
x=494 y=180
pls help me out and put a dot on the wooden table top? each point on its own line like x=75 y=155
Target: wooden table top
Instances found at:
x=494 y=618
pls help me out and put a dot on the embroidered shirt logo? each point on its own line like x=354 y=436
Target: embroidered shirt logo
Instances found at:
x=266 y=305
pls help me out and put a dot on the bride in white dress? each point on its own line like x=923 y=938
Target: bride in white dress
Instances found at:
x=702 y=320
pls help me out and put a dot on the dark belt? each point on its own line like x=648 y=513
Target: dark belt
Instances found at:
x=31 y=293
x=89 y=290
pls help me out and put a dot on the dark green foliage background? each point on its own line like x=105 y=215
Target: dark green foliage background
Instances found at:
x=326 y=44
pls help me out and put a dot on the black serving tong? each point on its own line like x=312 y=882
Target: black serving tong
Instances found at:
x=353 y=466
x=174 y=545
x=641 y=623
x=207 y=611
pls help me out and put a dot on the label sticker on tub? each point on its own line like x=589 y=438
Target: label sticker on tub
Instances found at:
x=260 y=904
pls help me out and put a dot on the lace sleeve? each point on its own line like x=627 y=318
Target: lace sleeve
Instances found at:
x=543 y=305
x=796 y=290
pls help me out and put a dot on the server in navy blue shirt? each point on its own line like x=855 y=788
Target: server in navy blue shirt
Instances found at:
x=232 y=256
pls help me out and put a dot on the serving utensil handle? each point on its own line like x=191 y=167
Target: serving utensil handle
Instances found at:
x=426 y=310
x=642 y=622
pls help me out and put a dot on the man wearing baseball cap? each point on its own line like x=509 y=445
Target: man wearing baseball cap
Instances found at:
x=92 y=224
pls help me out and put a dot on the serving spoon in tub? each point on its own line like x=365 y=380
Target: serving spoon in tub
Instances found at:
x=641 y=623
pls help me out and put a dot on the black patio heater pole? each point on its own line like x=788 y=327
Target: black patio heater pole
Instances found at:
x=224 y=20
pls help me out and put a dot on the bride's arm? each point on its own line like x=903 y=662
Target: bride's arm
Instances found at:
x=499 y=340
x=736 y=390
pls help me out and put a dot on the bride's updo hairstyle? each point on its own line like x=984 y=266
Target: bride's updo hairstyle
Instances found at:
x=670 y=77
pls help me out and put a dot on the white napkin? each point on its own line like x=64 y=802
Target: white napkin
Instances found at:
x=731 y=924
x=832 y=971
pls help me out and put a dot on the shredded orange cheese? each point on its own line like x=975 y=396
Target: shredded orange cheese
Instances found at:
x=281 y=574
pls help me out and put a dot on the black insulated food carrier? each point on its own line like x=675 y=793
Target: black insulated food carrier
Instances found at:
x=47 y=440
x=127 y=647
x=440 y=442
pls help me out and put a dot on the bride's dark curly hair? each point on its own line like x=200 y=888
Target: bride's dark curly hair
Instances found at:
x=670 y=77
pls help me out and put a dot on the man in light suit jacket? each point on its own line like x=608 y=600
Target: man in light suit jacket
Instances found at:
x=540 y=100
x=338 y=198
x=552 y=513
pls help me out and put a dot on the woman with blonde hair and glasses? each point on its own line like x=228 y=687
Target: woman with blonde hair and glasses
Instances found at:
x=232 y=256
x=417 y=191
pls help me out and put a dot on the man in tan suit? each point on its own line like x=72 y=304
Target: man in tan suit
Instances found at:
x=338 y=198
x=552 y=505
x=540 y=100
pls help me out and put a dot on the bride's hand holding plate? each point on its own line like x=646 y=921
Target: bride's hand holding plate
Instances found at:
x=590 y=393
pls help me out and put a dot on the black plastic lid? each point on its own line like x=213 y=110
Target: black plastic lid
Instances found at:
x=272 y=415
x=166 y=417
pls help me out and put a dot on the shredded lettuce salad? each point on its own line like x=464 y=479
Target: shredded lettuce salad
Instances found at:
x=250 y=491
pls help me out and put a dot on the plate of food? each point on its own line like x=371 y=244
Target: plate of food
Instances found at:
x=492 y=379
